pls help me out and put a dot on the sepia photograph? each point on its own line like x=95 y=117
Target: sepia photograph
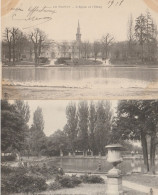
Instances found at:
x=61 y=147
x=64 y=49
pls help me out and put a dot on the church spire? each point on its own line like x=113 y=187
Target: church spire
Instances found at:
x=78 y=29
x=78 y=34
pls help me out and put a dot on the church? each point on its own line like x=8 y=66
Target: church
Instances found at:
x=70 y=49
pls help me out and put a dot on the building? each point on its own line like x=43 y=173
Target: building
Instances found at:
x=70 y=49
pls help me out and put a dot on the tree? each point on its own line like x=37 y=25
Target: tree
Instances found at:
x=13 y=127
x=92 y=121
x=71 y=125
x=38 y=38
x=83 y=126
x=140 y=32
x=130 y=35
x=15 y=34
x=96 y=49
x=151 y=35
x=64 y=48
x=106 y=41
x=103 y=125
x=56 y=142
x=37 y=137
x=135 y=121
x=23 y=109
x=8 y=39
x=85 y=49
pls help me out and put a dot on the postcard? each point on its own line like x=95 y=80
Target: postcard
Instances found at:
x=75 y=49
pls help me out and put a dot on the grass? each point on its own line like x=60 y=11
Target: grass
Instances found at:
x=147 y=180
x=88 y=189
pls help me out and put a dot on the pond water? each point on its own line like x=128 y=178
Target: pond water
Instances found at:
x=89 y=78
x=92 y=164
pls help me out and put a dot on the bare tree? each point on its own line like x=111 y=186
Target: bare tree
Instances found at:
x=85 y=49
x=15 y=34
x=96 y=49
x=106 y=41
x=64 y=48
x=37 y=37
x=8 y=39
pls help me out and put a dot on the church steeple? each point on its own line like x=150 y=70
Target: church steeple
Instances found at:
x=78 y=34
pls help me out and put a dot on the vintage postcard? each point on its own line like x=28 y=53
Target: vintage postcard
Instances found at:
x=79 y=49
x=63 y=147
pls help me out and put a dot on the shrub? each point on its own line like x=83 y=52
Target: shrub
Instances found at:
x=91 y=179
x=45 y=171
x=55 y=186
x=68 y=181
x=18 y=182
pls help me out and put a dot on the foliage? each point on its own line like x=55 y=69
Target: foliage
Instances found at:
x=37 y=138
x=102 y=125
x=19 y=182
x=68 y=181
x=45 y=171
x=83 y=125
x=29 y=179
x=13 y=131
x=56 y=142
x=54 y=186
x=71 y=125
x=137 y=120
x=91 y=179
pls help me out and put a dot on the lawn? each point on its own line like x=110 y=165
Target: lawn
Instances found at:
x=88 y=189
x=144 y=179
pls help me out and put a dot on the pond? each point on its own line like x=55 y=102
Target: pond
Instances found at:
x=91 y=164
x=83 y=81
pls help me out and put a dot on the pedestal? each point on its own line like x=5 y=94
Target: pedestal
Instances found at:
x=114 y=182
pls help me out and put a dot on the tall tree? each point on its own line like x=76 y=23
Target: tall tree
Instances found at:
x=8 y=39
x=103 y=125
x=140 y=32
x=13 y=127
x=106 y=42
x=38 y=38
x=37 y=137
x=71 y=125
x=23 y=109
x=15 y=34
x=83 y=126
x=130 y=35
x=92 y=121
x=135 y=121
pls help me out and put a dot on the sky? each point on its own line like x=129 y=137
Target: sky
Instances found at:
x=95 y=16
x=54 y=113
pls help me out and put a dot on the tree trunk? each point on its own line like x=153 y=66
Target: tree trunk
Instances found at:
x=152 y=154
x=10 y=51
x=36 y=55
x=145 y=151
x=142 y=52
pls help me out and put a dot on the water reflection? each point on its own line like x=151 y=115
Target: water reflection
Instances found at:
x=96 y=78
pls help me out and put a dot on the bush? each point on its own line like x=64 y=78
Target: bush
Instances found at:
x=55 y=186
x=68 y=181
x=91 y=179
x=18 y=182
x=45 y=171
